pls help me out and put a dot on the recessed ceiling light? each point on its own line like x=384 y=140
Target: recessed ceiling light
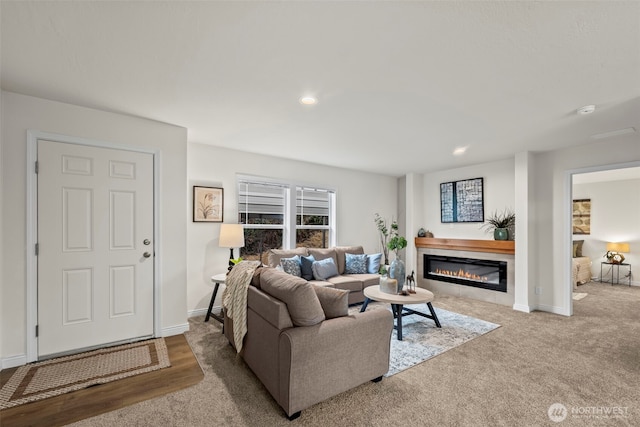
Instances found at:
x=459 y=151
x=613 y=133
x=308 y=100
x=587 y=109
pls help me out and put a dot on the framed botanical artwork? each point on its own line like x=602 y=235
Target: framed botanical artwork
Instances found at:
x=462 y=201
x=581 y=218
x=208 y=204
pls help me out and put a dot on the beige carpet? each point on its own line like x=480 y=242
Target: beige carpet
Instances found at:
x=509 y=377
x=64 y=374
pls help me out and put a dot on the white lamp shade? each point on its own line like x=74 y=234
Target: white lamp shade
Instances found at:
x=618 y=247
x=231 y=236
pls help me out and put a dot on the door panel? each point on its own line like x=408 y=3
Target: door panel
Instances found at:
x=95 y=209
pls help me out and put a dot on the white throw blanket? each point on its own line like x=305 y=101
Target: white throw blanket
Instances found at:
x=234 y=298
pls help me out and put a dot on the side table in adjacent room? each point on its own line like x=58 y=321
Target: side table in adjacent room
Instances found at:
x=617 y=269
x=217 y=280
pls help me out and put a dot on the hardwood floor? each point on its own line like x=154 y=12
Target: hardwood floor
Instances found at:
x=70 y=407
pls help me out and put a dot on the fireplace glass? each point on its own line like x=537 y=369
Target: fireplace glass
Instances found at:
x=479 y=273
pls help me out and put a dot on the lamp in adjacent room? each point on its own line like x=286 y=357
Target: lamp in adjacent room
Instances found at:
x=231 y=236
x=614 y=252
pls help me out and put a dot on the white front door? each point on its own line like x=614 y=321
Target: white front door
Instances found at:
x=96 y=249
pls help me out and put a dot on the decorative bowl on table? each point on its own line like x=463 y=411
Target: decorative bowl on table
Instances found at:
x=388 y=286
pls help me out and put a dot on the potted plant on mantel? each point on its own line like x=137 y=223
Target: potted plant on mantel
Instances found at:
x=502 y=224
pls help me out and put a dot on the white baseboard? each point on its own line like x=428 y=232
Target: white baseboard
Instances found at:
x=13 y=361
x=552 y=309
x=175 y=330
x=522 y=307
x=201 y=311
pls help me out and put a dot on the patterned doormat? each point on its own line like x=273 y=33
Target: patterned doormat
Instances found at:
x=53 y=377
x=422 y=340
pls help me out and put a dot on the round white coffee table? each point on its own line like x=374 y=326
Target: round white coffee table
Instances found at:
x=399 y=301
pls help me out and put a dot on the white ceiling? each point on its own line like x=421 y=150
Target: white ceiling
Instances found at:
x=399 y=84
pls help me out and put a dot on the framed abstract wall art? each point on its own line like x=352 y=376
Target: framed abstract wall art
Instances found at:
x=462 y=201
x=208 y=204
x=581 y=218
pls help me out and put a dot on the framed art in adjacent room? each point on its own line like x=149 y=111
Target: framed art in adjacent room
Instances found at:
x=581 y=216
x=208 y=204
x=462 y=201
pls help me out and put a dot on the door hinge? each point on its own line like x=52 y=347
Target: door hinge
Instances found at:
x=37 y=167
x=37 y=331
x=37 y=249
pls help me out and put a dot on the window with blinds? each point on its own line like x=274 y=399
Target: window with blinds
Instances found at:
x=262 y=210
x=313 y=217
x=272 y=221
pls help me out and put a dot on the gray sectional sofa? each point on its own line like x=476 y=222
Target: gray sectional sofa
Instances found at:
x=303 y=345
x=354 y=283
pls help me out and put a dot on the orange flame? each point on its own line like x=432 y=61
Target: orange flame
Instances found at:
x=462 y=274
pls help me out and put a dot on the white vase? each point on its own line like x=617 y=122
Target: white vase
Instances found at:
x=388 y=286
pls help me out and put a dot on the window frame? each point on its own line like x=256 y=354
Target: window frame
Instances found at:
x=289 y=227
x=331 y=215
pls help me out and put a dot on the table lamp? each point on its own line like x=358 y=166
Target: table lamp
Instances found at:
x=231 y=236
x=614 y=250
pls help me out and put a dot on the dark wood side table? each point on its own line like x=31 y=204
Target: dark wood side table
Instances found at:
x=217 y=280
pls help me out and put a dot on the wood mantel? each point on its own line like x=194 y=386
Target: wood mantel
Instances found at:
x=493 y=246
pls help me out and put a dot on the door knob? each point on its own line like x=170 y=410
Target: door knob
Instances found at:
x=146 y=254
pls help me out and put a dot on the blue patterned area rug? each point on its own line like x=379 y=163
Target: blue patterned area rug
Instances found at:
x=422 y=340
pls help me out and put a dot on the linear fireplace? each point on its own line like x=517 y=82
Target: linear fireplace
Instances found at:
x=480 y=273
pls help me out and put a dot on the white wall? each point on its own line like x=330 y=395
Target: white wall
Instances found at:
x=499 y=193
x=20 y=113
x=615 y=207
x=359 y=196
x=553 y=210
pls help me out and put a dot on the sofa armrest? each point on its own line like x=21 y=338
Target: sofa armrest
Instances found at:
x=320 y=361
x=269 y=308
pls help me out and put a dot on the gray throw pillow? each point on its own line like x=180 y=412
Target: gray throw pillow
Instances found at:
x=334 y=302
x=291 y=265
x=298 y=294
x=355 y=264
x=324 y=269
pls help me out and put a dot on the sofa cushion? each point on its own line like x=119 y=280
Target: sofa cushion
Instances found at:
x=364 y=279
x=341 y=251
x=291 y=265
x=302 y=302
x=305 y=266
x=255 y=280
x=276 y=254
x=373 y=263
x=334 y=302
x=322 y=253
x=350 y=283
x=324 y=269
